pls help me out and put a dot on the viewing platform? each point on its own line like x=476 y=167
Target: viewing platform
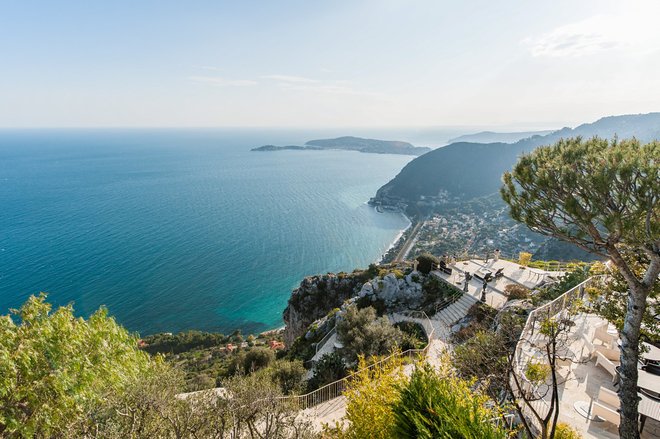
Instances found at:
x=503 y=273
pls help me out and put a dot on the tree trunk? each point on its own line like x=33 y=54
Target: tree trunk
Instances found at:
x=629 y=429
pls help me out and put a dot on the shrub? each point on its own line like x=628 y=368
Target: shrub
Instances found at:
x=516 y=292
x=363 y=333
x=567 y=281
x=565 y=431
x=425 y=262
x=257 y=358
x=435 y=291
x=370 y=395
x=290 y=375
x=328 y=369
x=524 y=258
x=414 y=336
x=431 y=406
x=376 y=303
x=537 y=372
x=57 y=370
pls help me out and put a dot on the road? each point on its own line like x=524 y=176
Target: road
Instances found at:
x=405 y=248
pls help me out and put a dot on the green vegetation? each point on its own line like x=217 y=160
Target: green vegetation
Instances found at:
x=603 y=196
x=56 y=369
x=361 y=332
x=433 y=406
x=516 y=292
x=425 y=262
x=382 y=403
x=330 y=368
x=437 y=291
x=609 y=297
x=67 y=377
x=566 y=282
x=205 y=357
x=371 y=395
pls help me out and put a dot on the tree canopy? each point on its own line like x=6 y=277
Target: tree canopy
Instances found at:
x=602 y=195
x=56 y=368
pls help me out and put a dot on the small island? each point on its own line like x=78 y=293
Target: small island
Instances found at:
x=282 y=148
x=350 y=143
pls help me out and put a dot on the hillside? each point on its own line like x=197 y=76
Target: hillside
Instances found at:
x=369 y=145
x=467 y=170
x=493 y=137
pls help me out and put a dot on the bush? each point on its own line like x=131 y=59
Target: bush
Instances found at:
x=378 y=304
x=425 y=262
x=431 y=406
x=363 y=333
x=328 y=369
x=257 y=358
x=524 y=258
x=289 y=375
x=565 y=431
x=516 y=292
x=435 y=291
x=370 y=395
x=414 y=335
x=567 y=281
x=57 y=370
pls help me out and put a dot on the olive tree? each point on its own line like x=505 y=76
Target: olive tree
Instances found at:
x=601 y=196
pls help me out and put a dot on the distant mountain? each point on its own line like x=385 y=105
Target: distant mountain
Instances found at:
x=354 y=144
x=469 y=170
x=493 y=137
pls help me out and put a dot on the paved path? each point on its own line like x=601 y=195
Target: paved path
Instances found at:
x=409 y=242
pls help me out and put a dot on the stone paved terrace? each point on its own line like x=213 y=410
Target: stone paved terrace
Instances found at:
x=583 y=381
x=513 y=274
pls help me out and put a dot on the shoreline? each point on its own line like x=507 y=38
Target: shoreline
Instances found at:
x=397 y=239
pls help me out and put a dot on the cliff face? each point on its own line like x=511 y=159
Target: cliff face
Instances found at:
x=315 y=297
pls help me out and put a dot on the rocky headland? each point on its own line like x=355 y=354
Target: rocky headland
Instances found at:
x=351 y=143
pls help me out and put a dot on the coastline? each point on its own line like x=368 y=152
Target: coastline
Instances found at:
x=397 y=240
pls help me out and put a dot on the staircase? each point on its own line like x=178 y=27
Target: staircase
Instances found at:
x=447 y=316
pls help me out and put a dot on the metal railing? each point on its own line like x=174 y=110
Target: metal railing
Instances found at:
x=337 y=388
x=535 y=317
x=325 y=338
x=541 y=265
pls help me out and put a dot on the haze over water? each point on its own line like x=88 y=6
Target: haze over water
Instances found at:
x=182 y=229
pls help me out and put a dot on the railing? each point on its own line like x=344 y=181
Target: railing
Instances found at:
x=325 y=338
x=535 y=317
x=336 y=388
x=542 y=265
x=505 y=421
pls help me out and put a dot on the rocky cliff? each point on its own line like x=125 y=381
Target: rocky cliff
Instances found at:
x=315 y=297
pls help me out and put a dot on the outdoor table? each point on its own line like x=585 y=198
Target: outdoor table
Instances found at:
x=648 y=408
x=648 y=381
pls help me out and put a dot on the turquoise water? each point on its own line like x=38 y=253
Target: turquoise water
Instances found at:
x=182 y=229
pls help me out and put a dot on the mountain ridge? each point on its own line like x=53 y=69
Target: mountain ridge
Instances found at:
x=468 y=170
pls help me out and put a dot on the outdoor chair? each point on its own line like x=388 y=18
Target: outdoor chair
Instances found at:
x=607 y=364
x=607 y=406
x=602 y=335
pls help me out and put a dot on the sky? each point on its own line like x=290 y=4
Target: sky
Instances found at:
x=511 y=64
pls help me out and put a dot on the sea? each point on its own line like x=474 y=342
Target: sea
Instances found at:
x=179 y=229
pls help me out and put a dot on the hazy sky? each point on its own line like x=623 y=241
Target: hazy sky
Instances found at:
x=326 y=63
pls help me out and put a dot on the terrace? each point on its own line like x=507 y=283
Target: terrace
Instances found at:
x=588 y=374
x=503 y=273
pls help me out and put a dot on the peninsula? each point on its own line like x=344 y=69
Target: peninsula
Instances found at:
x=350 y=143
